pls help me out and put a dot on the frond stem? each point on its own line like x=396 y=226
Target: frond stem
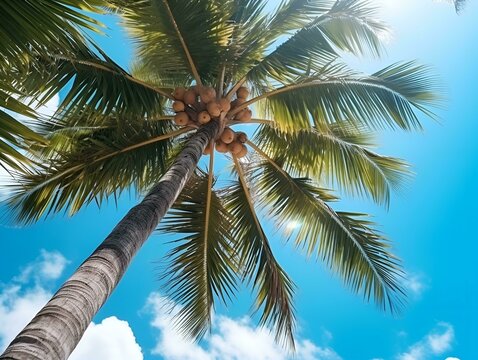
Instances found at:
x=183 y=43
x=124 y=74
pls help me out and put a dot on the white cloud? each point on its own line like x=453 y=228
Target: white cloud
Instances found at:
x=437 y=342
x=452 y=358
x=441 y=341
x=415 y=284
x=17 y=308
x=28 y=292
x=48 y=266
x=110 y=340
x=231 y=339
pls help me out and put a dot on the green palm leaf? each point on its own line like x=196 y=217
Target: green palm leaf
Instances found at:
x=97 y=82
x=257 y=263
x=345 y=241
x=347 y=25
x=29 y=28
x=338 y=155
x=90 y=164
x=201 y=264
x=387 y=98
x=179 y=38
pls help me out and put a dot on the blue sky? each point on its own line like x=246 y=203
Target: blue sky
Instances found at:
x=432 y=224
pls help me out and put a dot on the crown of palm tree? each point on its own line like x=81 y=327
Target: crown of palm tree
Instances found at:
x=114 y=131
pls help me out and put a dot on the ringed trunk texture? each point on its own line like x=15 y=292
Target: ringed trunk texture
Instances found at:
x=56 y=330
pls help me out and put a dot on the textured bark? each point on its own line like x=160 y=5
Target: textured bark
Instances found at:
x=56 y=330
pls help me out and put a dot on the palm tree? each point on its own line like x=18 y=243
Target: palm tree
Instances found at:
x=30 y=28
x=316 y=118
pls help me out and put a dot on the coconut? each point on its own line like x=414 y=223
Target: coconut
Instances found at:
x=181 y=118
x=203 y=117
x=178 y=93
x=190 y=97
x=196 y=89
x=244 y=115
x=241 y=137
x=243 y=152
x=228 y=135
x=221 y=146
x=235 y=147
x=225 y=104
x=242 y=92
x=207 y=94
x=178 y=106
x=214 y=109
x=239 y=101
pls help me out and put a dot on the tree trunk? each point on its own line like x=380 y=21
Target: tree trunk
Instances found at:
x=56 y=330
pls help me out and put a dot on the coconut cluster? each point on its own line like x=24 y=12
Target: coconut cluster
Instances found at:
x=199 y=104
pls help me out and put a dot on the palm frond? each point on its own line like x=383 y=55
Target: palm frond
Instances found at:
x=179 y=38
x=352 y=25
x=348 y=25
x=29 y=28
x=95 y=81
x=201 y=265
x=88 y=164
x=386 y=98
x=335 y=154
x=345 y=241
x=257 y=262
x=14 y=134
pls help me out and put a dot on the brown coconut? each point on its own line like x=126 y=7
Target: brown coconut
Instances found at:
x=204 y=117
x=178 y=106
x=213 y=108
x=235 y=103
x=190 y=97
x=181 y=118
x=243 y=152
x=242 y=92
x=235 y=147
x=225 y=104
x=241 y=137
x=207 y=94
x=228 y=135
x=244 y=115
x=221 y=146
x=196 y=89
x=178 y=93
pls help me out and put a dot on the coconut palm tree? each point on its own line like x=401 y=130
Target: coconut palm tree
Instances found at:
x=29 y=28
x=201 y=69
